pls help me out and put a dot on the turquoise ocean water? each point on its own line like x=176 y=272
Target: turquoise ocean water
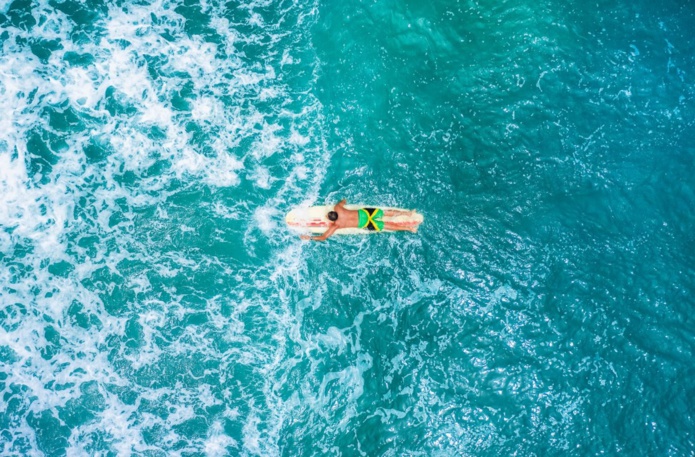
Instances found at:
x=152 y=302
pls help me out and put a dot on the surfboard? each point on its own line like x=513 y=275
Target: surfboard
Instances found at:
x=313 y=219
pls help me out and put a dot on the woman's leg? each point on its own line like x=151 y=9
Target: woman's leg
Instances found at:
x=395 y=213
x=400 y=227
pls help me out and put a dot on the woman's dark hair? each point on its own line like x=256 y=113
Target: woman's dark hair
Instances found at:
x=332 y=216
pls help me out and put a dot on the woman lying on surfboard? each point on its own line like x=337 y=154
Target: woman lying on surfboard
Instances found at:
x=363 y=218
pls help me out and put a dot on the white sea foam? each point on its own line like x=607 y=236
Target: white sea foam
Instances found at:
x=265 y=219
x=218 y=442
x=83 y=211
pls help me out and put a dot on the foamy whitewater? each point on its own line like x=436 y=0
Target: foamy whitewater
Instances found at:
x=153 y=302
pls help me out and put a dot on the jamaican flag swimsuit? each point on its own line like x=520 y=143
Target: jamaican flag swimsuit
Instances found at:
x=370 y=219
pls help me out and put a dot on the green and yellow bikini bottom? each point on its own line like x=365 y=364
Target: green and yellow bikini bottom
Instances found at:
x=370 y=219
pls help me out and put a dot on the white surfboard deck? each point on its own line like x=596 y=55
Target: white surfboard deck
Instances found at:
x=313 y=219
